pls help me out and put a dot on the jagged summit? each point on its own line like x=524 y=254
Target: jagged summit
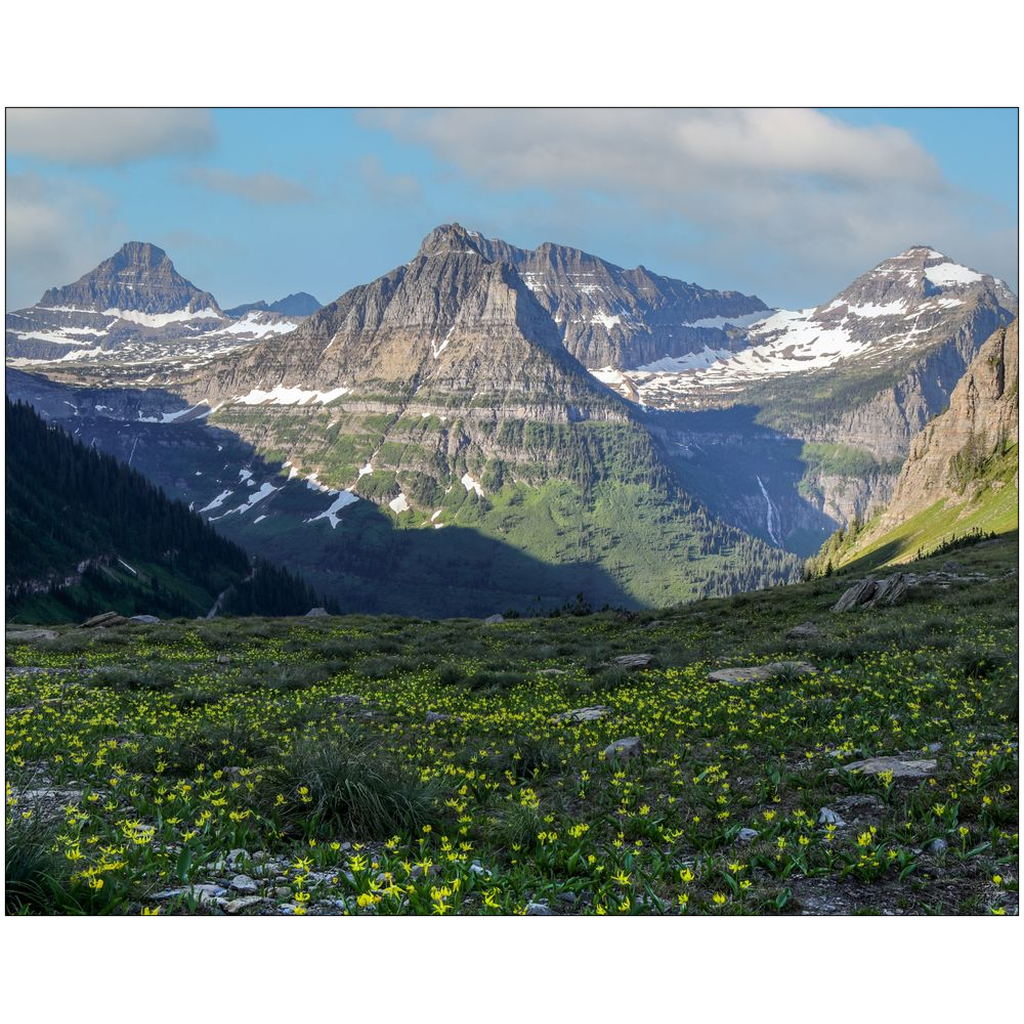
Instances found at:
x=139 y=277
x=296 y=304
x=451 y=238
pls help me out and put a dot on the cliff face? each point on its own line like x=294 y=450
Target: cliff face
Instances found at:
x=947 y=456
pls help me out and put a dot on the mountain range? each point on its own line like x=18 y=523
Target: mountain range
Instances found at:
x=444 y=438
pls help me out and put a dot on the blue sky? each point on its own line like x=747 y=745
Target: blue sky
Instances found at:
x=251 y=204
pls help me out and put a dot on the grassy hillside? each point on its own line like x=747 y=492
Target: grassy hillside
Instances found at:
x=989 y=506
x=392 y=766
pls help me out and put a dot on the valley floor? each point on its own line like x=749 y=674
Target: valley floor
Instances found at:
x=358 y=765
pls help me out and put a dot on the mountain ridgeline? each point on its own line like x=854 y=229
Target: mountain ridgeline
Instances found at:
x=85 y=533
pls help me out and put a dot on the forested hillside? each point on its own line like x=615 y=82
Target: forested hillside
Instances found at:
x=86 y=533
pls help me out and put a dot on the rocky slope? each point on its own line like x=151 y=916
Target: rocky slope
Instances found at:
x=981 y=423
x=961 y=475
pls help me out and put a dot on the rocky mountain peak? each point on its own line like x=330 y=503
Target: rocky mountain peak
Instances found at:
x=139 y=277
x=449 y=239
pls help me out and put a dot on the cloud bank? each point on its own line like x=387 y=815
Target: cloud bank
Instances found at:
x=263 y=189
x=107 y=137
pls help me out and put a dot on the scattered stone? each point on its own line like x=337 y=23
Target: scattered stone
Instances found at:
x=624 y=749
x=346 y=700
x=633 y=662
x=494 y=620
x=205 y=892
x=805 y=631
x=539 y=910
x=478 y=869
x=282 y=892
x=223 y=659
x=826 y=816
x=900 y=767
x=237 y=906
x=582 y=714
x=937 y=846
x=934 y=748
x=316 y=613
x=747 y=835
x=552 y=672
x=148 y=620
x=758 y=673
x=245 y=885
x=105 y=619
x=24 y=636
x=859 y=804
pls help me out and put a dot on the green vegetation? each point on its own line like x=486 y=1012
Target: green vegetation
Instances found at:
x=383 y=765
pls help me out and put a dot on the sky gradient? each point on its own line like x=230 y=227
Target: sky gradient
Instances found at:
x=250 y=204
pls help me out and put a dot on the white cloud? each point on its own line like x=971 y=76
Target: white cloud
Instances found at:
x=55 y=233
x=264 y=188
x=107 y=136
x=760 y=196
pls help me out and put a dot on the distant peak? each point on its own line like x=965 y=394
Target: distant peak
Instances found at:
x=140 y=254
x=448 y=238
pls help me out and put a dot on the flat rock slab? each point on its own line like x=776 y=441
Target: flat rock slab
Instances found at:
x=26 y=636
x=758 y=673
x=805 y=631
x=582 y=714
x=633 y=661
x=900 y=767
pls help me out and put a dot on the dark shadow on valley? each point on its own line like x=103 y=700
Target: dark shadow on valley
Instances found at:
x=367 y=562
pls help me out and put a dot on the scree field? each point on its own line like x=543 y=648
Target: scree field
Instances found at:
x=358 y=765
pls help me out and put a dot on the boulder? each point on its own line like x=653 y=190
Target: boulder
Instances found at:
x=240 y=904
x=826 y=816
x=582 y=714
x=901 y=768
x=539 y=910
x=747 y=835
x=494 y=620
x=624 y=749
x=758 y=673
x=891 y=591
x=105 y=619
x=805 y=631
x=632 y=662
x=223 y=659
x=857 y=595
x=316 y=613
x=145 y=619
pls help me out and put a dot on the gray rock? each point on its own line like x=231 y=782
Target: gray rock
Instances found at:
x=758 y=673
x=934 y=748
x=858 y=805
x=223 y=659
x=937 y=846
x=901 y=768
x=826 y=816
x=747 y=835
x=238 y=905
x=552 y=672
x=633 y=662
x=855 y=596
x=105 y=619
x=539 y=910
x=582 y=714
x=890 y=592
x=805 y=631
x=244 y=885
x=624 y=749
x=145 y=619
x=282 y=892
x=316 y=613
x=494 y=620
x=436 y=716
